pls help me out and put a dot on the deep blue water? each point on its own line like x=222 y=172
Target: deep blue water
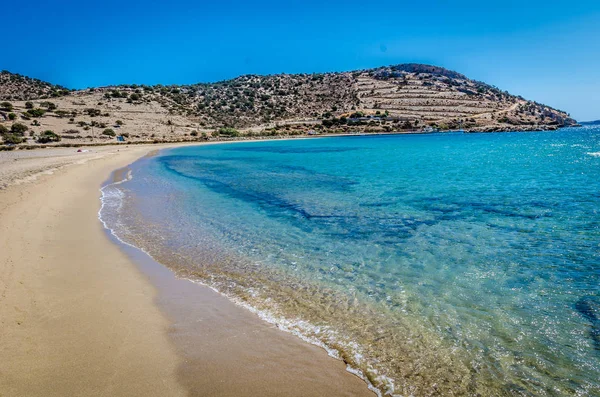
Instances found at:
x=435 y=264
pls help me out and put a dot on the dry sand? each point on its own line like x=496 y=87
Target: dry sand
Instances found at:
x=81 y=316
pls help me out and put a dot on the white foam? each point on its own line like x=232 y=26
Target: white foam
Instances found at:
x=593 y=154
x=111 y=197
x=303 y=329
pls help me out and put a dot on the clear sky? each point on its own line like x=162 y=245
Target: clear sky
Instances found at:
x=547 y=51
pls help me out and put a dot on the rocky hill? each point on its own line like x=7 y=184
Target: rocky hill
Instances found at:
x=20 y=88
x=408 y=97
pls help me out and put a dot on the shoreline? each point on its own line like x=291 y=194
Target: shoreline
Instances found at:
x=170 y=286
x=81 y=316
x=175 y=143
x=77 y=318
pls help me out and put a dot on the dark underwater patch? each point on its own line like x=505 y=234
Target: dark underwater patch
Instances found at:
x=448 y=206
x=378 y=204
x=589 y=307
x=215 y=169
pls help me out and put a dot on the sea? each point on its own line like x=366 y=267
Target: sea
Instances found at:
x=438 y=264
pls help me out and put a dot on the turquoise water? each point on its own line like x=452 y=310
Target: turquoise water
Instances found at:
x=450 y=264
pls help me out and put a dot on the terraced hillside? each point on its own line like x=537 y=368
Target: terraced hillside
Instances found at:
x=420 y=94
x=408 y=97
x=428 y=97
x=436 y=96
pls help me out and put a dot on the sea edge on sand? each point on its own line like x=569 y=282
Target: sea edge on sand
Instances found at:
x=34 y=322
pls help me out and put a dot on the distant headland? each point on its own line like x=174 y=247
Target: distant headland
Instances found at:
x=594 y=122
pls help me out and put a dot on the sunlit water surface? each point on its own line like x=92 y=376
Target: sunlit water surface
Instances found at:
x=450 y=264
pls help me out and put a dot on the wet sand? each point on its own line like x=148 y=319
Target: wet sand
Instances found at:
x=82 y=315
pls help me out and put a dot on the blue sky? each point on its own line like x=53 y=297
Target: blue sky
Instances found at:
x=547 y=51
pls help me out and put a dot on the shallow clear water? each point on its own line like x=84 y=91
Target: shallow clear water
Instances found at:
x=454 y=264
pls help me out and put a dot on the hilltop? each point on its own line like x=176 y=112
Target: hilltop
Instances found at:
x=17 y=87
x=407 y=97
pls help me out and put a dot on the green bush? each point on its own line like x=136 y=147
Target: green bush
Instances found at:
x=18 y=128
x=109 y=132
x=118 y=122
x=93 y=112
x=35 y=112
x=47 y=137
x=6 y=106
x=13 y=139
x=3 y=130
x=228 y=131
x=12 y=116
x=29 y=105
x=62 y=113
x=48 y=105
x=357 y=115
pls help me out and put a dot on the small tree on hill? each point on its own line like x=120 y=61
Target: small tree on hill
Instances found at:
x=228 y=131
x=12 y=139
x=18 y=128
x=48 y=136
x=35 y=112
x=48 y=105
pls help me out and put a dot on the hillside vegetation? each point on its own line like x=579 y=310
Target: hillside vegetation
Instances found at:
x=17 y=87
x=408 y=97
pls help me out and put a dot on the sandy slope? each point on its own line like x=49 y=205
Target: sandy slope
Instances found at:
x=78 y=317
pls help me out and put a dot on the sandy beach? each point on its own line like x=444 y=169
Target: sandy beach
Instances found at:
x=80 y=315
